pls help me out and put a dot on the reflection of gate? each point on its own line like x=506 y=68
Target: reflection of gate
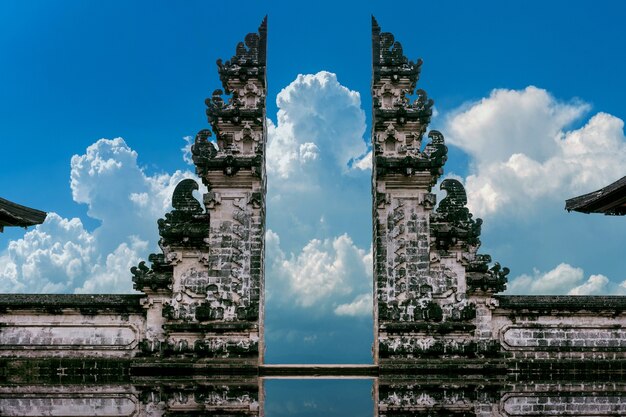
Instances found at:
x=252 y=396
x=201 y=311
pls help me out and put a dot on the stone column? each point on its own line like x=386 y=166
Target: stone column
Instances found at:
x=205 y=291
x=421 y=300
x=234 y=173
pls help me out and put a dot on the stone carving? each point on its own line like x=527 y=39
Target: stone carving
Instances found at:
x=426 y=266
x=187 y=225
x=249 y=59
x=159 y=276
x=389 y=60
x=54 y=337
x=399 y=122
x=238 y=120
x=452 y=223
x=211 y=271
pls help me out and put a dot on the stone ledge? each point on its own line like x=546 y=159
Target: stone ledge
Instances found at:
x=218 y=327
x=123 y=303
x=429 y=327
x=561 y=302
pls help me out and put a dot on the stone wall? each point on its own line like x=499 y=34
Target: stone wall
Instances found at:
x=71 y=325
x=483 y=399
x=246 y=397
x=560 y=327
x=211 y=397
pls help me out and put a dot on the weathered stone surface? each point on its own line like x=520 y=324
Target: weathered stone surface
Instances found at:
x=224 y=397
x=434 y=295
x=495 y=399
x=211 y=269
x=422 y=259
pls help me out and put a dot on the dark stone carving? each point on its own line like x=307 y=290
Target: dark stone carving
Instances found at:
x=436 y=151
x=452 y=223
x=389 y=60
x=492 y=281
x=204 y=312
x=237 y=120
x=404 y=111
x=150 y=346
x=431 y=159
x=159 y=276
x=249 y=59
x=204 y=348
x=479 y=264
x=187 y=225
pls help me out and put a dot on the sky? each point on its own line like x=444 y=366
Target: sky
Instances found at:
x=98 y=101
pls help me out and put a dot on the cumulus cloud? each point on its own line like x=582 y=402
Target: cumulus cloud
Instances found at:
x=362 y=305
x=315 y=112
x=60 y=255
x=327 y=275
x=563 y=279
x=317 y=163
x=523 y=150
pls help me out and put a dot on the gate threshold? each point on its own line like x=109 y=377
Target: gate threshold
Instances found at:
x=308 y=370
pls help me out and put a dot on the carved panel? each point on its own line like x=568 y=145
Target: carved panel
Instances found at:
x=544 y=404
x=68 y=404
x=563 y=338
x=86 y=336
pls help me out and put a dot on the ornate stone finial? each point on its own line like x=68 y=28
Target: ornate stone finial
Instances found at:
x=159 y=276
x=436 y=152
x=389 y=61
x=237 y=118
x=400 y=121
x=452 y=223
x=484 y=280
x=187 y=225
x=249 y=59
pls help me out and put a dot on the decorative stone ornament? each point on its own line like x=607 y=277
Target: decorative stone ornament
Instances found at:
x=207 y=286
x=425 y=263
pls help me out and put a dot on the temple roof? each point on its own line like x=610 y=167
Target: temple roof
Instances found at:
x=610 y=200
x=13 y=214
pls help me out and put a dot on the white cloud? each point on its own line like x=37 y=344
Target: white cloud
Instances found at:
x=326 y=273
x=50 y=258
x=563 y=279
x=523 y=153
x=364 y=163
x=186 y=150
x=60 y=255
x=315 y=113
x=362 y=305
x=316 y=163
x=596 y=284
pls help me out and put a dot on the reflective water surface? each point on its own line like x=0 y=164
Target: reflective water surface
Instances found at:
x=252 y=396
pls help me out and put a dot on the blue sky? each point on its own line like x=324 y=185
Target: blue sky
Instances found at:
x=528 y=94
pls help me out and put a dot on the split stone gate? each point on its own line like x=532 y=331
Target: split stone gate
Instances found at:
x=201 y=307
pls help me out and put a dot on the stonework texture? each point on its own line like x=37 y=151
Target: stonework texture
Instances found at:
x=434 y=294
